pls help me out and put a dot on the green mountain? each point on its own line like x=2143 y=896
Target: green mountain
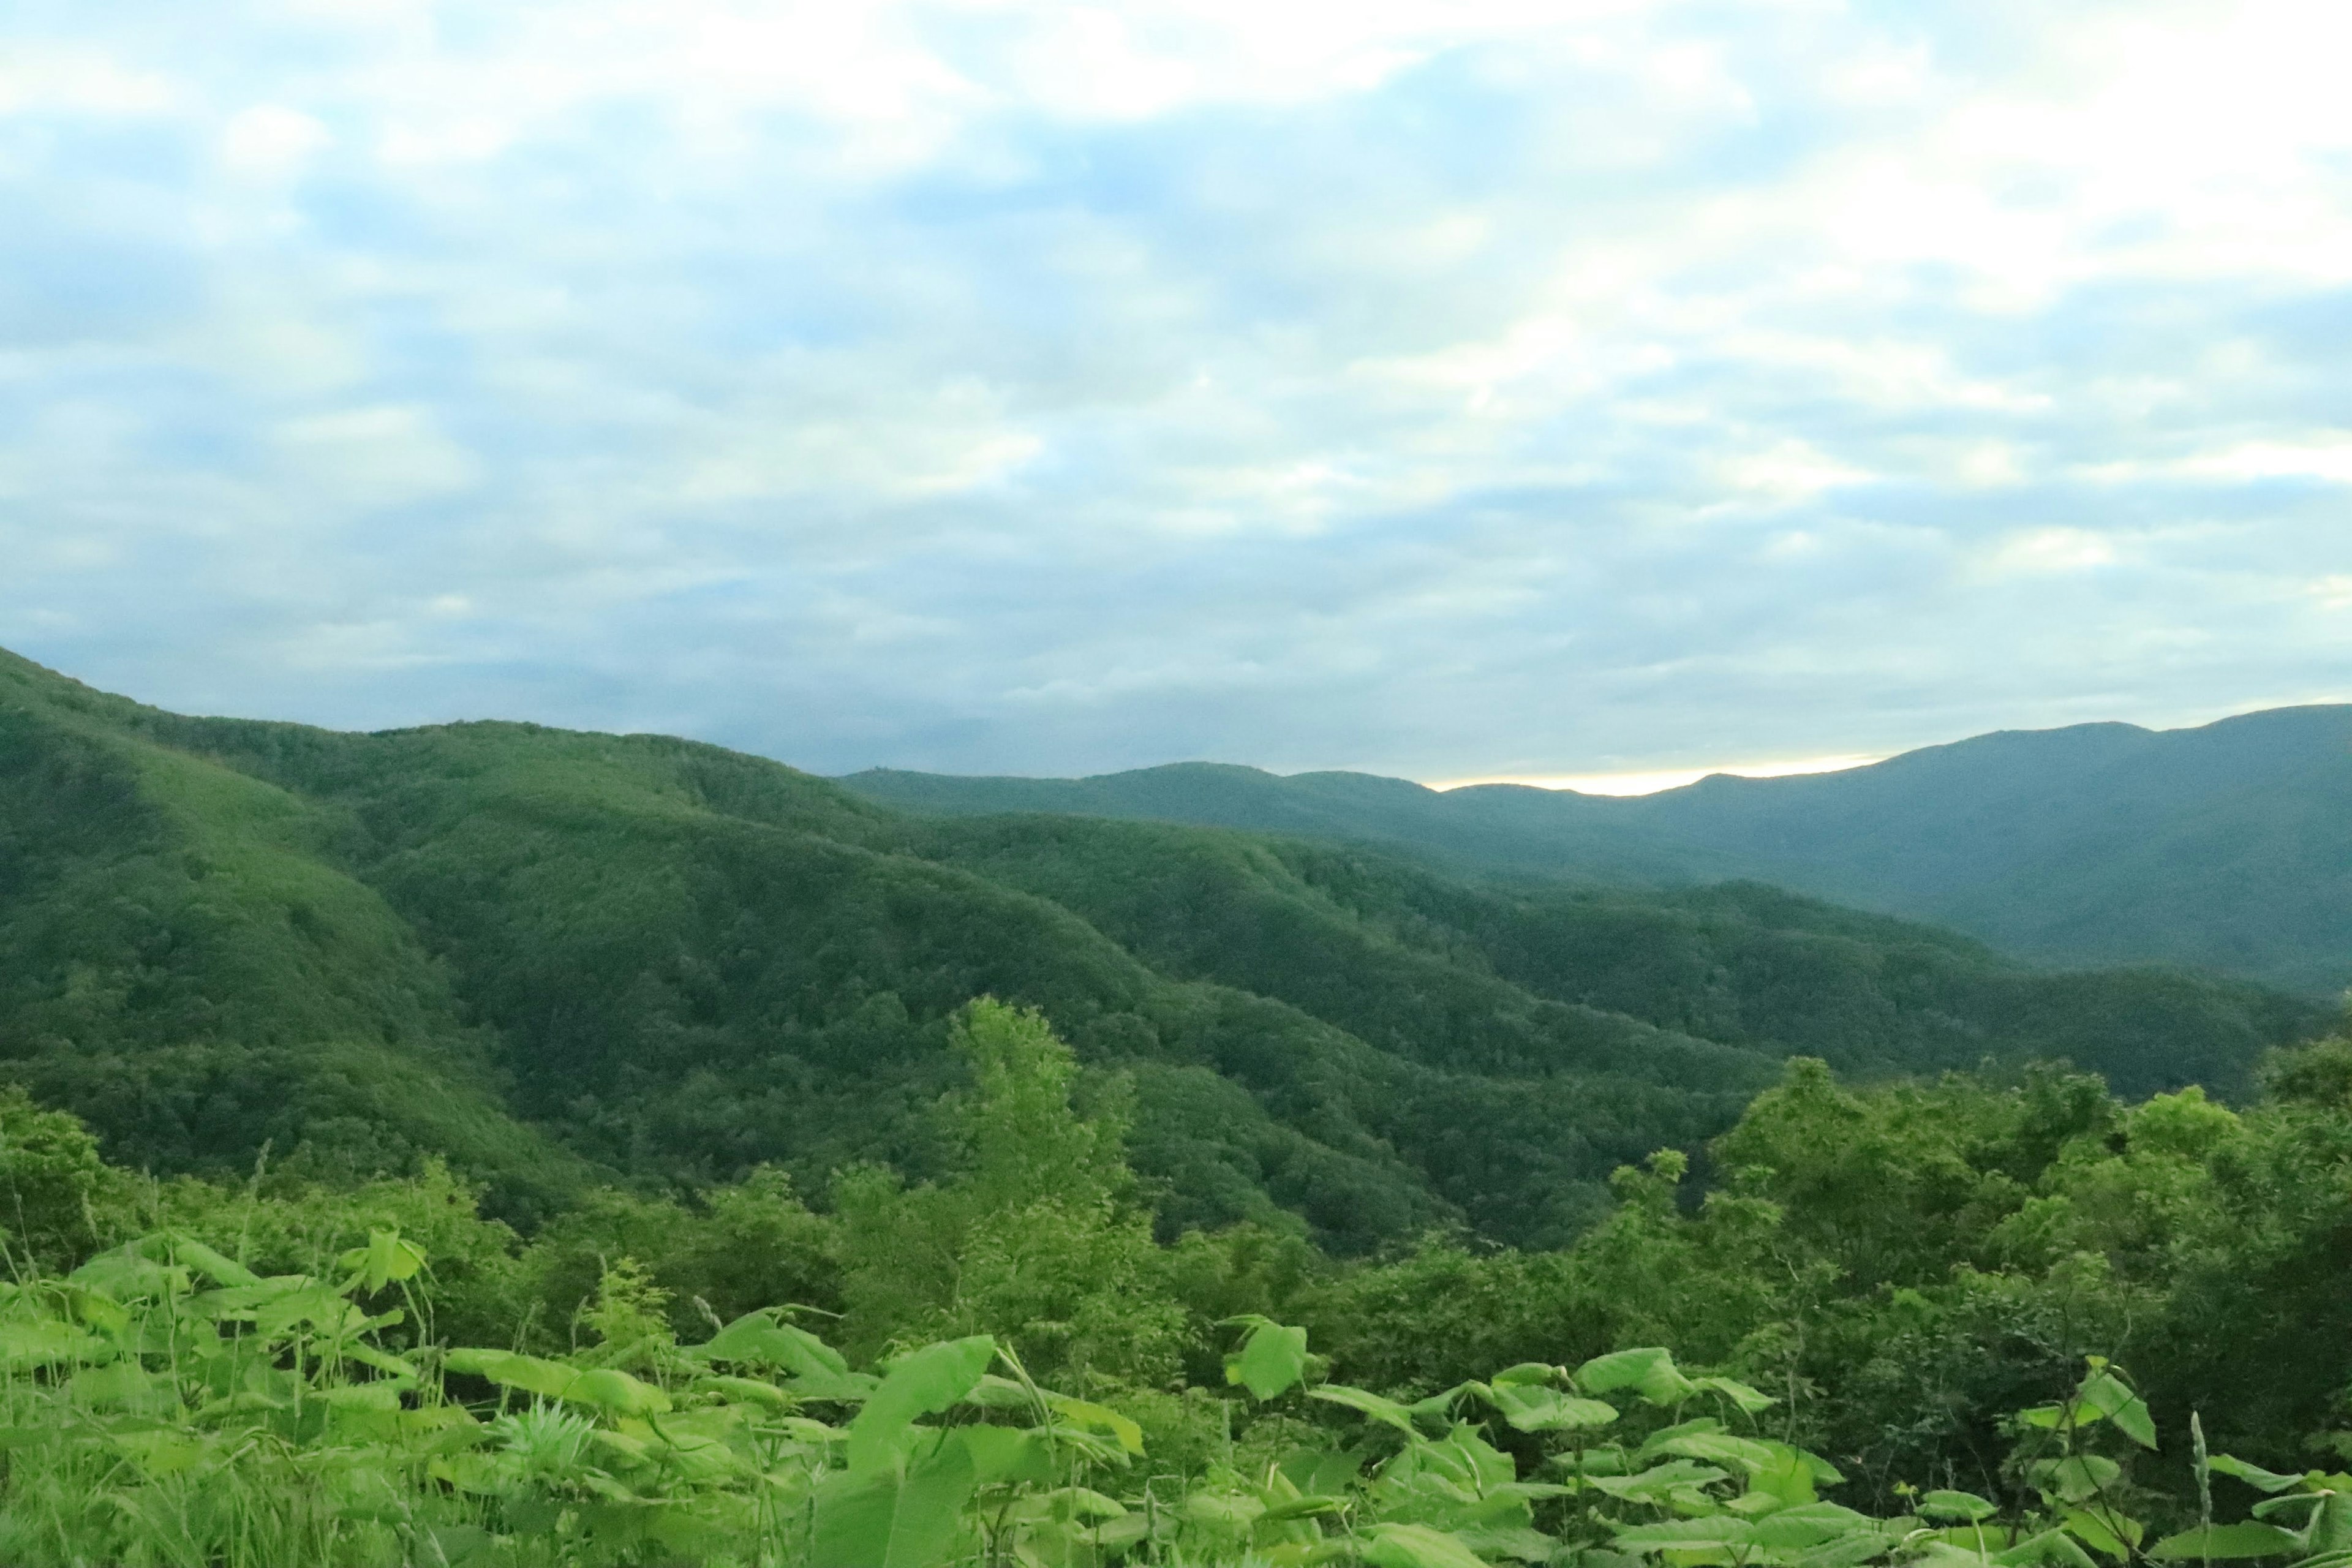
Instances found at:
x=557 y=957
x=2227 y=846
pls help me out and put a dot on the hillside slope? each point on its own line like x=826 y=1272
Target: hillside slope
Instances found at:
x=2227 y=846
x=554 y=957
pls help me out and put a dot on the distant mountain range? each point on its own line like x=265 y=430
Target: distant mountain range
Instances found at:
x=556 y=959
x=2227 y=846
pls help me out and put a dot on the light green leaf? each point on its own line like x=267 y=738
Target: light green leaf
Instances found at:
x=512 y=1368
x=2252 y=1475
x=1809 y=1525
x=922 y=1383
x=1964 y=1506
x=2053 y=1548
x=2077 y=1478
x=760 y=1339
x=1715 y=1449
x=746 y=1391
x=128 y=1274
x=2227 y=1541
x=1649 y=1372
x=123 y=1383
x=1786 y=1475
x=2110 y=1533
x=881 y=1518
x=1416 y=1546
x=2133 y=1420
x=2104 y=1394
x=1100 y=1418
x=618 y=1392
x=1227 y=1511
x=1366 y=1403
x=1531 y=1407
x=1749 y=1401
x=1000 y=1454
x=379 y=1397
x=1272 y=1359
x=386 y=1258
x=1687 y=1535
x=214 y=1266
x=1657 y=1483
x=44 y=1342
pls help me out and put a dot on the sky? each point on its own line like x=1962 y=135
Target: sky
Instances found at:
x=1453 y=389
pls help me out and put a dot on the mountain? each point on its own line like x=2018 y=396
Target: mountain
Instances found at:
x=2227 y=846
x=557 y=958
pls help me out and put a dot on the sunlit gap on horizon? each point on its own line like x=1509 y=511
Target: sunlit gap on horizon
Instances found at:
x=1651 y=782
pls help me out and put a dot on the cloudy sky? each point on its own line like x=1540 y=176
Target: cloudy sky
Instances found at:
x=1447 y=388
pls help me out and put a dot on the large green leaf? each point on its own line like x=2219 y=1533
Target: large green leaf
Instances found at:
x=1809 y=1525
x=608 y=1389
x=1965 y=1506
x=46 y=1340
x=761 y=1338
x=1007 y=1453
x=1659 y=1483
x=2252 y=1475
x=220 y=1269
x=1085 y=1413
x=2227 y=1541
x=2076 y=1478
x=604 y=1388
x=1648 y=1370
x=1366 y=1403
x=1416 y=1546
x=1272 y=1359
x=128 y=1274
x=1715 y=1448
x=386 y=1259
x=2053 y=1548
x=1531 y=1407
x=511 y=1369
x=1688 y=1535
x=883 y=1518
x=2104 y=1394
x=2103 y=1532
x=1748 y=1401
x=922 y=1383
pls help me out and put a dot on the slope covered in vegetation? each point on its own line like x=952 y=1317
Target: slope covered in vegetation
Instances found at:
x=557 y=957
x=2227 y=846
x=1966 y=1325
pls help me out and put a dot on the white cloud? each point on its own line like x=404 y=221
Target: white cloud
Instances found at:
x=365 y=459
x=1437 y=385
x=269 y=140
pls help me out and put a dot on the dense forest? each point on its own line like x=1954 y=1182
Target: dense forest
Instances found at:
x=560 y=960
x=2225 y=847
x=1948 y=1322
x=493 y=1145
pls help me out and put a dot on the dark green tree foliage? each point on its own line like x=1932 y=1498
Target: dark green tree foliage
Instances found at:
x=2225 y=847
x=1901 y=1270
x=559 y=959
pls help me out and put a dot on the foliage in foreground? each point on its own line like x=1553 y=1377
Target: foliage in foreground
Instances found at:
x=166 y=1405
x=1915 y=1278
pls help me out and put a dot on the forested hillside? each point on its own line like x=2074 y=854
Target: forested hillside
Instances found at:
x=1962 y=1325
x=2227 y=846
x=562 y=958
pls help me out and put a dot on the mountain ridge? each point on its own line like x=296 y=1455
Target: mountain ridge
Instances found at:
x=2226 y=846
x=558 y=958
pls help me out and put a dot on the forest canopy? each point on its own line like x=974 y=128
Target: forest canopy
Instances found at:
x=563 y=960
x=1895 y=1286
